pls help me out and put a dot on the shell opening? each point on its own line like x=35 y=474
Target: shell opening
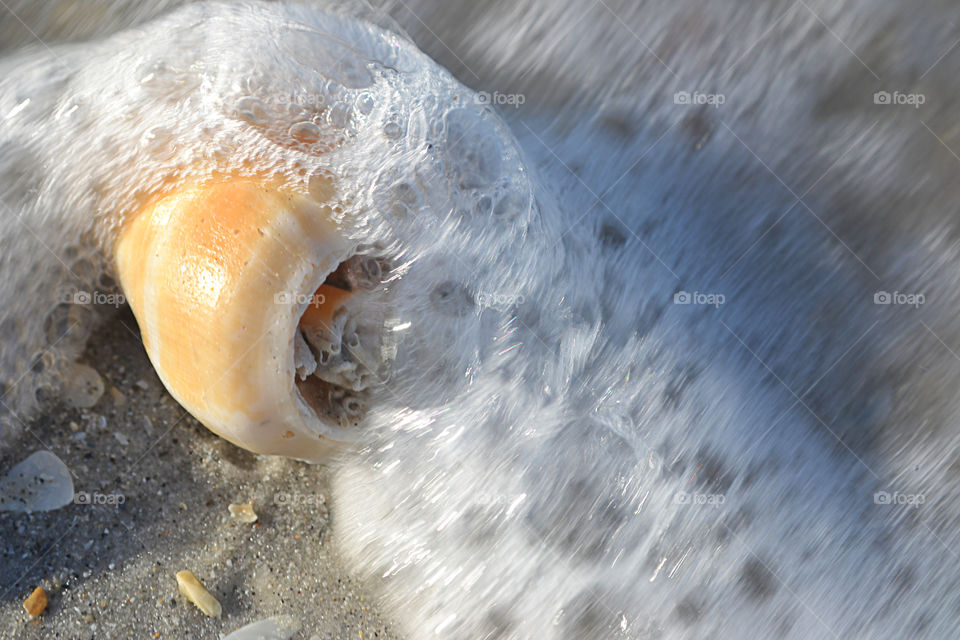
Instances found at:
x=338 y=346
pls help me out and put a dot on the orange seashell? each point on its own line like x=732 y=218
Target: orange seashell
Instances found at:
x=219 y=276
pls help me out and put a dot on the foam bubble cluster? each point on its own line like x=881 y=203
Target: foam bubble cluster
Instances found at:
x=420 y=168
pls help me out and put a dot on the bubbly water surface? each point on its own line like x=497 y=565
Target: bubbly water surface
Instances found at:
x=571 y=446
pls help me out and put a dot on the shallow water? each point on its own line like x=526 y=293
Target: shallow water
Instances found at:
x=566 y=449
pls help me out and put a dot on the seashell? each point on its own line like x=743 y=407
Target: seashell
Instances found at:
x=223 y=277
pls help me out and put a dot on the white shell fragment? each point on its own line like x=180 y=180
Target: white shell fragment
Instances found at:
x=40 y=483
x=281 y=628
x=192 y=590
x=83 y=386
x=243 y=512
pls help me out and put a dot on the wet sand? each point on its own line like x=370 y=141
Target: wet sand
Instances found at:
x=108 y=568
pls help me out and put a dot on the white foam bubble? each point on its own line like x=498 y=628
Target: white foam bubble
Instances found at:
x=305 y=95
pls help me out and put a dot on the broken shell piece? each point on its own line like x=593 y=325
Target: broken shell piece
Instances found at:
x=192 y=590
x=42 y=482
x=243 y=512
x=218 y=276
x=83 y=386
x=279 y=628
x=36 y=602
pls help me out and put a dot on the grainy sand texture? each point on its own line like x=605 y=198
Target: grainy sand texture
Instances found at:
x=159 y=488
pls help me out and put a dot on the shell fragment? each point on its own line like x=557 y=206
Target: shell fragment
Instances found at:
x=83 y=387
x=192 y=590
x=281 y=628
x=36 y=602
x=243 y=512
x=42 y=482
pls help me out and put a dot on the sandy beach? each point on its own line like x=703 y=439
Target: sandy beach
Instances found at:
x=163 y=484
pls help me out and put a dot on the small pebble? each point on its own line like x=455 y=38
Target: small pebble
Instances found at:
x=36 y=602
x=118 y=398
